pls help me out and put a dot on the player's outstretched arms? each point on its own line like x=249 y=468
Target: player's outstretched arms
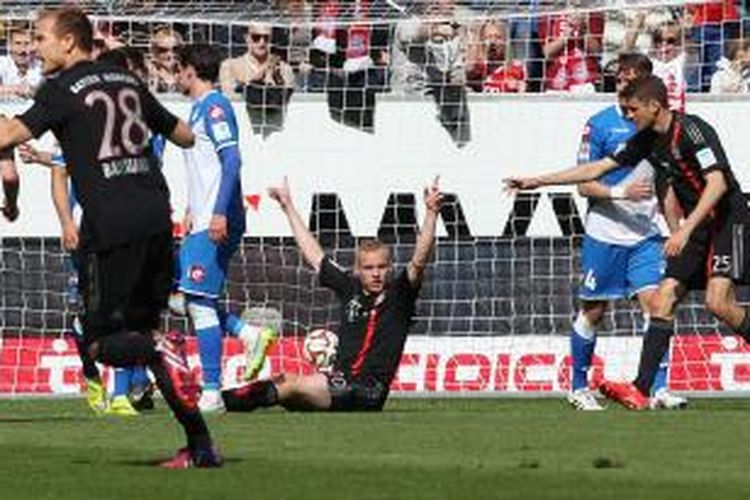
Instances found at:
x=182 y=135
x=433 y=201
x=635 y=191
x=308 y=245
x=580 y=173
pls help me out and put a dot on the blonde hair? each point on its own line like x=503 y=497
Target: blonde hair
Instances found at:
x=372 y=245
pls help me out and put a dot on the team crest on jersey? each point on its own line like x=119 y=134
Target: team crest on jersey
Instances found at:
x=222 y=132
x=353 y=310
x=196 y=274
x=216 y=112
x=706 y=157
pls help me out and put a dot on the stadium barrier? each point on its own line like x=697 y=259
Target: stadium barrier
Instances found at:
x=496 y=305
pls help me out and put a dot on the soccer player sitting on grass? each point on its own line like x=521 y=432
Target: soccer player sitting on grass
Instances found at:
x=103 y=117
x=376 y=314
x=705 y=250
x=215 y=222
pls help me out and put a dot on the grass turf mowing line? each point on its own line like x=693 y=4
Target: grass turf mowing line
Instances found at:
x=459 y=449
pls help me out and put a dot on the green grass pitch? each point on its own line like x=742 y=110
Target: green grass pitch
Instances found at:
x=416 y=449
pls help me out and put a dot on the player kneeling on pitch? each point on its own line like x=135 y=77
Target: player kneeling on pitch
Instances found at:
x=705 y=250
x=376 y=313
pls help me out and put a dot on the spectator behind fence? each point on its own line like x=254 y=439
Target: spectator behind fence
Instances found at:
x=732 y=75
x=20 y=75
x=360 y=67
x=487 y=65
x=668 y=57
x=323 y=50
x=263 y=78
x=623 y=29
x=292 y=40
x=162 y=61
x=710 y=24
x=429 y=57
x=20 y=70
x=572 y=47
x=525 y=46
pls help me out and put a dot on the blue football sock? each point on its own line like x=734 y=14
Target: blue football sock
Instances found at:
x=140 y=377
x=230 y=323
x=203 y=313
x=582 y=344
x=660 y=381
x=122 y=381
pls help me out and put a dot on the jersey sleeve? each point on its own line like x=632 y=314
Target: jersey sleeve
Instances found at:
x=46 y=113
x=333 y=276
x=158 y=118
x=408 y=289
x=221 y=125
x=635 y=150
x=705 y=144
x=58 y=160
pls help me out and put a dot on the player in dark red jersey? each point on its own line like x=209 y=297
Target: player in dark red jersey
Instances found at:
x=104 y=117
x=704 y=251
x=376 y=314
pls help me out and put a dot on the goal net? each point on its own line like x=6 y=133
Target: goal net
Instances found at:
x=361 y=103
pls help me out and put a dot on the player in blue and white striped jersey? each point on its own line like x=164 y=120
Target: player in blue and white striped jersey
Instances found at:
x=215 y=221
x=622 y=248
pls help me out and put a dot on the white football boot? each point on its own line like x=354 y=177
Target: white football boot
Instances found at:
x=665 y=400
x=584 y=400
x=211 y=401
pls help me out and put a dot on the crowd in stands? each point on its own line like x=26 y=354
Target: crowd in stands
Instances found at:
x=450 y=48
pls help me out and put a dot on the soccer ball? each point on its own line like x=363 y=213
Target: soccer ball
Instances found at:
x=320 y=347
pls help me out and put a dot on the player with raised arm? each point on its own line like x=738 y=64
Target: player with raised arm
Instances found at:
x=215 y=222
x=103 y=118
x=621 y=255
x=376 y=314
x=705 y=250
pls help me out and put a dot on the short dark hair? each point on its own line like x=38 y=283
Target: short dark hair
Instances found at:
x=203 y=58
x=19 y=28
x=640 y=63
x=136 y=59
x=114 y=57
x=648 y=88
x=72 y=21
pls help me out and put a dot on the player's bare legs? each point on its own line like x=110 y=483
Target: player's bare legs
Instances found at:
x=656 y=341
x=721 y=301
x=293 y=392
x=304 y=392
x=665 y=299
x=661 y=398
x=582 y=344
